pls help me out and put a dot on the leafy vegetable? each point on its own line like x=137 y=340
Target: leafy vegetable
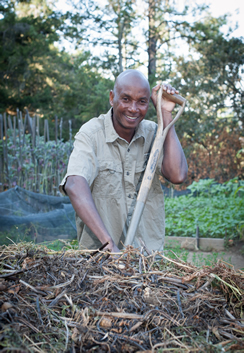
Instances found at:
x=217 y=209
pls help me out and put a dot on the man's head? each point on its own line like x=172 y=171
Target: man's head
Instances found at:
x=130 y=100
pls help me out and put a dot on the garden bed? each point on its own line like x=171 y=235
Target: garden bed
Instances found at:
x=80 y=301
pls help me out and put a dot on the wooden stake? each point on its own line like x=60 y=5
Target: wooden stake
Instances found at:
x=70 y=136
x=20 y=175
x=10 y=126
x=14 y=131
x=60 y=128
x=24 y=128
x=5 y=144
x=2 y=154
x=46 y=131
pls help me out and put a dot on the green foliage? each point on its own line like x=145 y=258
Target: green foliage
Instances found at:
x=218 y=210
x=23 y=40
x=210 y=77
x=208 y=187
x=111 y=28
x=34 y=74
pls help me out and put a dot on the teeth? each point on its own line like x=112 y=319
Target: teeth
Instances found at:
x=132 y=117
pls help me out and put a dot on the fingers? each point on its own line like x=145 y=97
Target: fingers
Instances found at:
x=166 y=87
x=169 y=89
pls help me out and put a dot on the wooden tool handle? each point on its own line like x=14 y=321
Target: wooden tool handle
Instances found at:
x=176 y=98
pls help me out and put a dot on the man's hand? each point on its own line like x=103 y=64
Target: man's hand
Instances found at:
x=112 y=247
x=167 y=105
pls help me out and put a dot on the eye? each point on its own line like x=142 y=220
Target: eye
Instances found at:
x=125 y=99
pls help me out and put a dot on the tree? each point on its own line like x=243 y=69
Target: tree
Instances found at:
x=166 y=26
x=32 y=69
x=22 y=42
x=111 y=30
x=212 y=79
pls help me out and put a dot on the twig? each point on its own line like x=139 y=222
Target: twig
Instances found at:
x=32 y=288
x=56 y=300
x=144 y=246
x=227 y=284
x=179 y=303
x=120 y=315
x=63 y=284
x=39 y=310
x=177 y=263
x=67 y=336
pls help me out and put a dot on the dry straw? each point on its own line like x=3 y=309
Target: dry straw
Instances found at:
x=79 y=301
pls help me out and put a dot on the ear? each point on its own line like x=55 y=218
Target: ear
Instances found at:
x=111 y=97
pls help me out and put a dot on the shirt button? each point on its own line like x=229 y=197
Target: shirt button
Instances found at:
x=129 y=196
x=127 y=173
x=128 y=150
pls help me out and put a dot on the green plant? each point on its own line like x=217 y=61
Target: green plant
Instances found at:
x=218 y=210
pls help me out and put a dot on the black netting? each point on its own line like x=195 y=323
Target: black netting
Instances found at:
x=29 y=216
x=25 y=215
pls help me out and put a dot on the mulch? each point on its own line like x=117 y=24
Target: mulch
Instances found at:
x=80 y=301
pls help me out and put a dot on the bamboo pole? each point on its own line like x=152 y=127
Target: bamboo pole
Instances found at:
x=46 y=131
x=70 y=136
x=5 y=144
x=38 y=130
x=56 y=155
x=60 y=128
x=1 y=154
x=10 y=125
x=24 y=128
x=20 y=173
x=30 y=123
x=37 y=159
x=33 y=152
x=14 y=132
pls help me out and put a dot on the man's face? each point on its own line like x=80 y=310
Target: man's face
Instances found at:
x=130 y=101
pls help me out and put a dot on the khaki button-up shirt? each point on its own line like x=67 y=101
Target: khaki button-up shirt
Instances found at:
x=112 y=168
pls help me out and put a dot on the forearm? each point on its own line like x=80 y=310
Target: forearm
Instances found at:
x=80 y=196
x=174 y=166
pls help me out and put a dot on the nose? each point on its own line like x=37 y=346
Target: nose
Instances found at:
x=133 y=107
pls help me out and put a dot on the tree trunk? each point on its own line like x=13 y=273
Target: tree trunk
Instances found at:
x=120 y=37
x=152 y=38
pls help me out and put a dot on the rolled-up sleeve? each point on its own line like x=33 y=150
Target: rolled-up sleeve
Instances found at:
x=82 y=161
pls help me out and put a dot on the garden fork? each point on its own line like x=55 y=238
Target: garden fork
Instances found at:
x=153 y=160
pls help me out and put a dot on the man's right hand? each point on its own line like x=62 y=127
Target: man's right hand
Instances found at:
x=112 y=247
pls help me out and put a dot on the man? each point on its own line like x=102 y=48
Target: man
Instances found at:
x=107 y=162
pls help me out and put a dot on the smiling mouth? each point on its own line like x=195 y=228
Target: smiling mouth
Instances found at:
x=131 y=117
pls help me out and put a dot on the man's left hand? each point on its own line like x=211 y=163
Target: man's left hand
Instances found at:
x=167 y=105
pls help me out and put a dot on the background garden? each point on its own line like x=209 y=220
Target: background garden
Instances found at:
x=57 y=68
x=58 y=62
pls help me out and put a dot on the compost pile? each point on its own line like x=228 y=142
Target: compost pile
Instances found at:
x=76 y=301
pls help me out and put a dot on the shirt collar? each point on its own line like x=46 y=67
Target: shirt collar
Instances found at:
x=110 y=133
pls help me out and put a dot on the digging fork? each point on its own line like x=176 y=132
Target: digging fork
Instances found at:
x=153 y=160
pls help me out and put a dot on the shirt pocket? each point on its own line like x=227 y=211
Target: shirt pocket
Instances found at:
x=108 y=183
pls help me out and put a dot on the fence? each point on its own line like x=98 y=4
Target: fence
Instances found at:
x=29 y=160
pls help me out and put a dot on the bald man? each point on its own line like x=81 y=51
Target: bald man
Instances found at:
x=108 y=161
